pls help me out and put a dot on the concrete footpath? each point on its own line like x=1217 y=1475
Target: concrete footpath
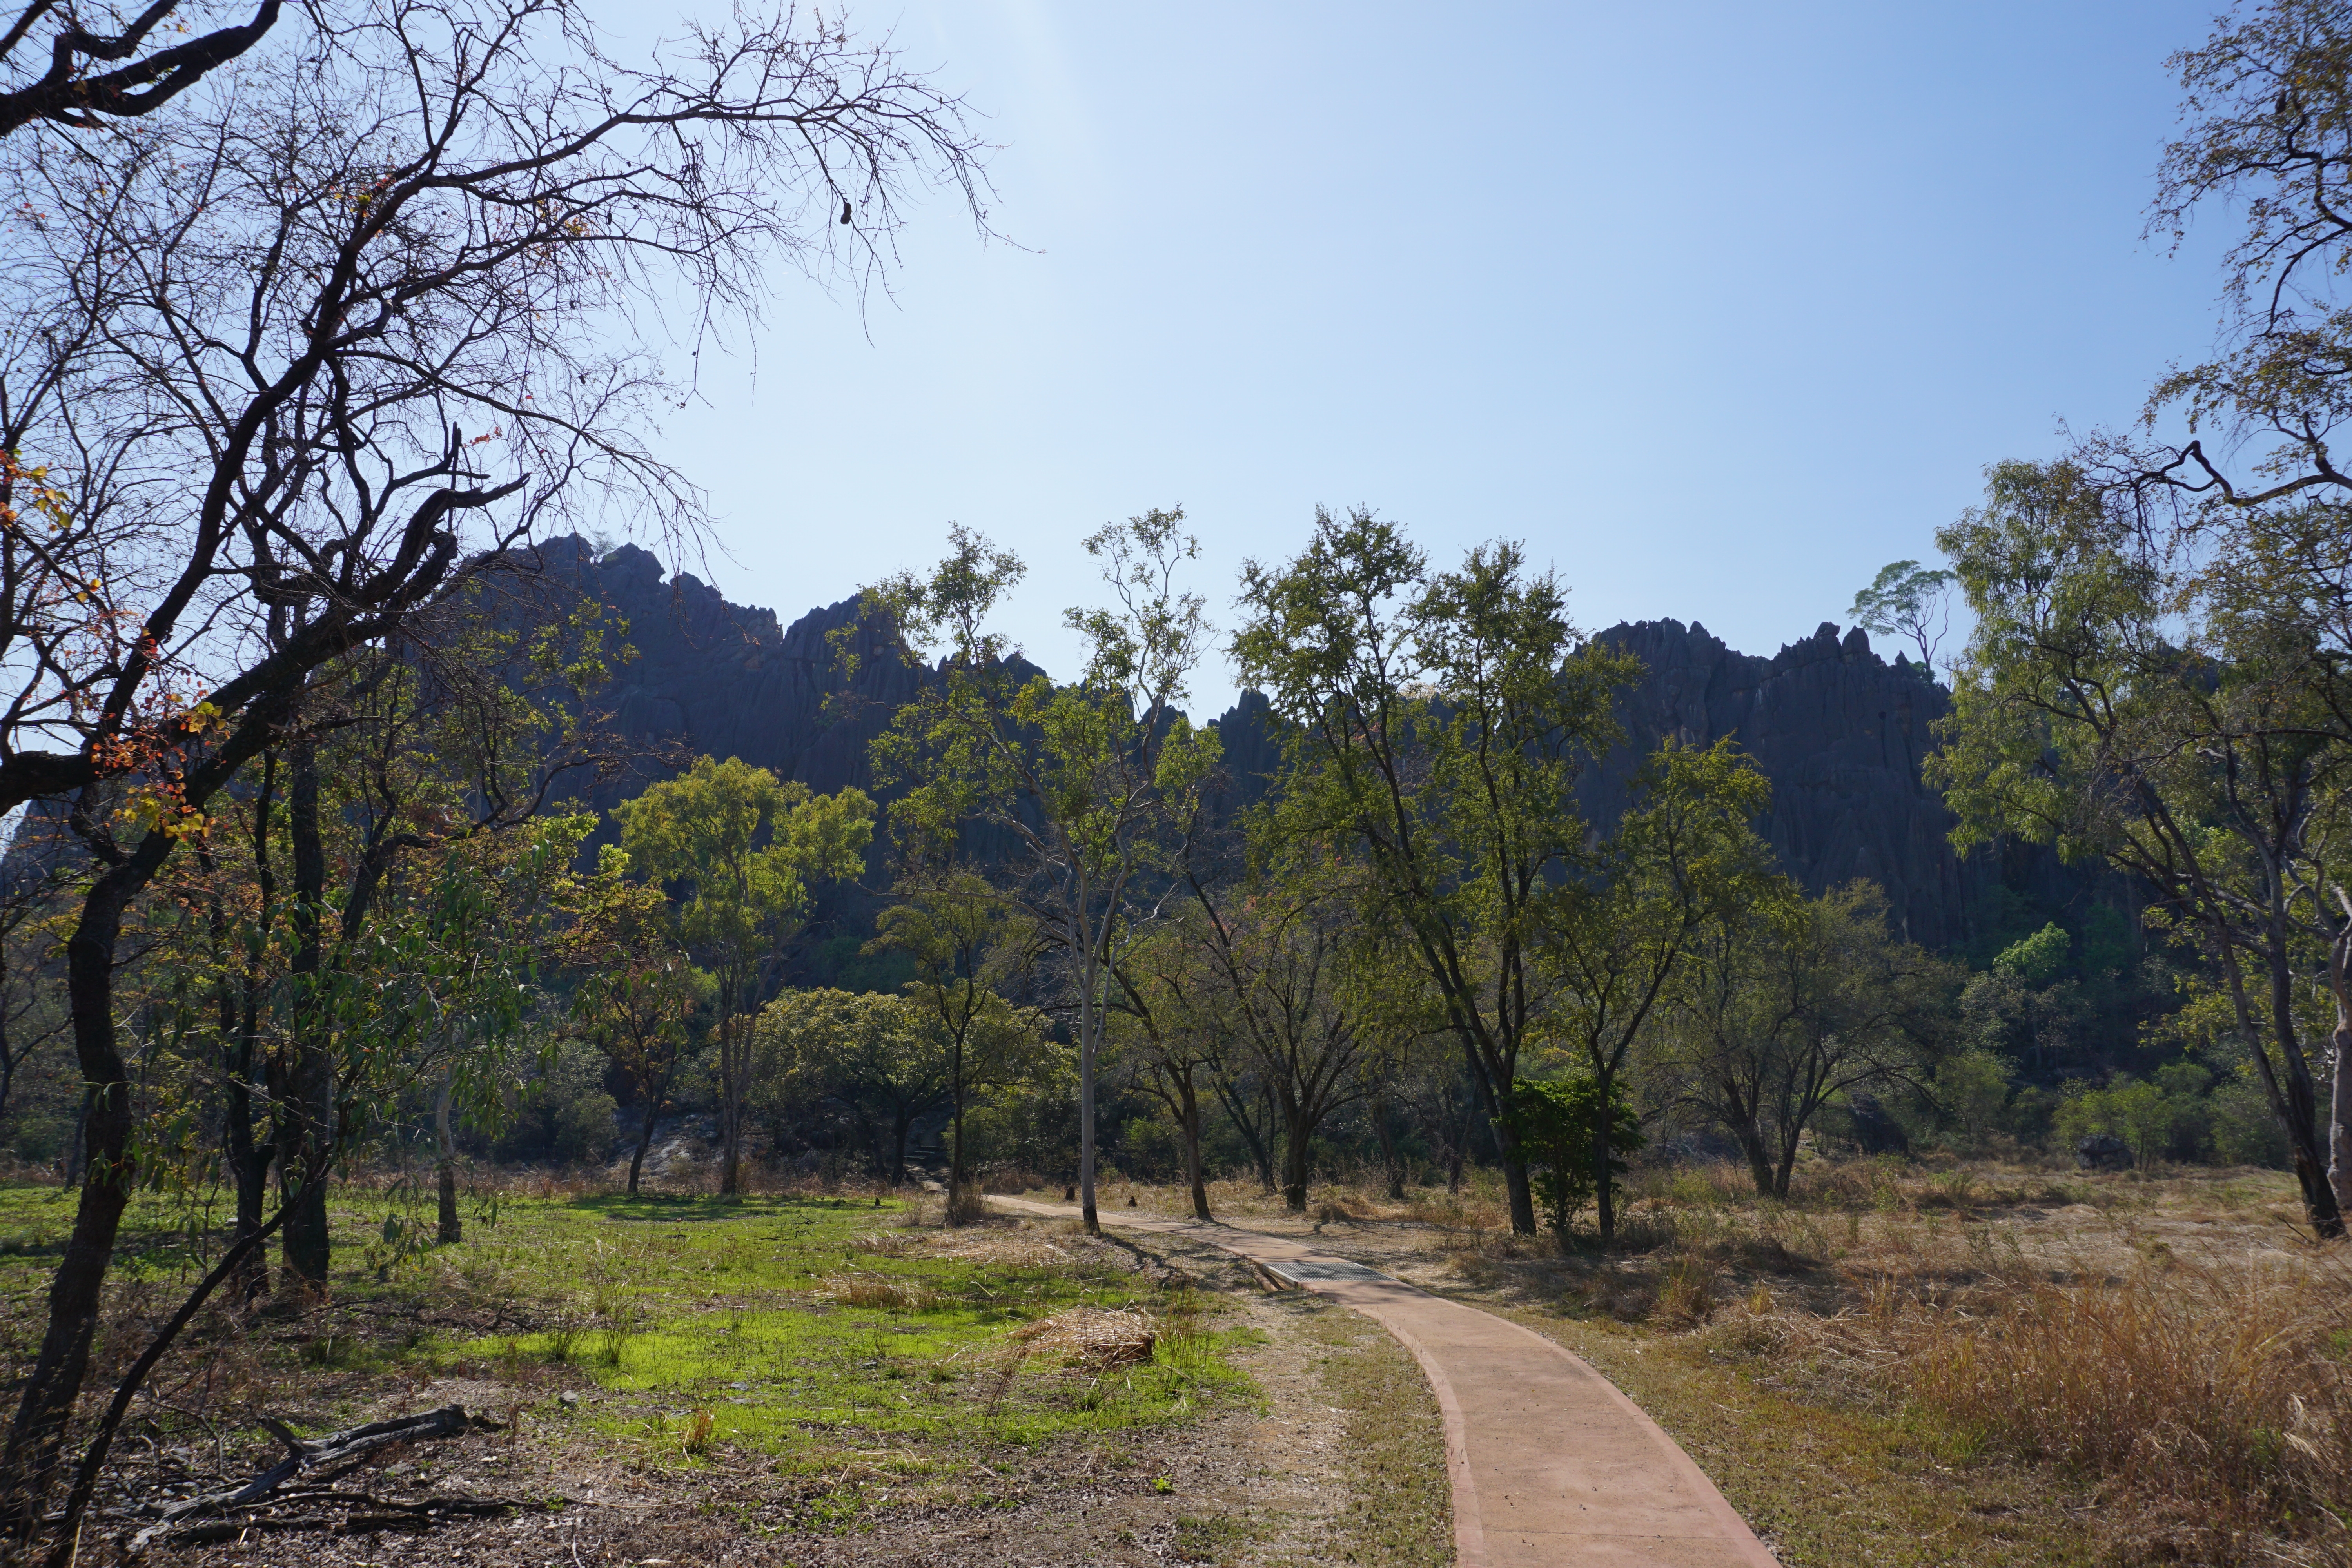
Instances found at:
x=1551 y=1465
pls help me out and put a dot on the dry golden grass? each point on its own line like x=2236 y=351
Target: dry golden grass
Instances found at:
x=875 y=1293
x=1093 y=1338
x=2145 y=1367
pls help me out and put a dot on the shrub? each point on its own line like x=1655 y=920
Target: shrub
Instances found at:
x=1558 y=1122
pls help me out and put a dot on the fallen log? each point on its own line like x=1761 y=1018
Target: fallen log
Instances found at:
x=307 y=1454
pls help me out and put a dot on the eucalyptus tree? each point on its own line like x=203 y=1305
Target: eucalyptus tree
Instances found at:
x=966 y=950
x=2179 y=708
x=1087 y=786
x=743 y=847
x=336 y=326
x=638 y=1000
x=1615 y=932
x=1788 y=1002
x=1436 y=723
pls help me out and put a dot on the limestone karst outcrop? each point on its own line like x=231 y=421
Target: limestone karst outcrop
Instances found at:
x=1838 y=729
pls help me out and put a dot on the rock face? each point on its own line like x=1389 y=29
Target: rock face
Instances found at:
x=721 y=679
x=1838 y=729
x=1840 y=734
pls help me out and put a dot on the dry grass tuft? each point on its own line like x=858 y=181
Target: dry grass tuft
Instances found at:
x=1094 y=1338
x=1686 y=1298
x=875 y=1294
x=887 y=1243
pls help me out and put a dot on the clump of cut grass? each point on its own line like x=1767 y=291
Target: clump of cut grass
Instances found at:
x=1097 y=1339
x=875 y=1294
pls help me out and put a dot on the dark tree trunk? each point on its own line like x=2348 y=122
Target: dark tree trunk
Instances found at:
x=304 y=1126
x=449 y=1229
x=1297 y=1133
x=1392 y=1159
x=29 y=1467
x=1189 y=1117
x=1491 y=1095
x=637 y=1159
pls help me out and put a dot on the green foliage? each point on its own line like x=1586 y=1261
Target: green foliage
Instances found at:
x=2161 y=1117
x=2165 y=700
x=1785 y=1003
x=1093 y=785
x=562 y=1112
x=1560 y=1121
x=1436 y=723
x=880 y=1058
x=1907 y=600
x=2037 y=958
x=741 y=847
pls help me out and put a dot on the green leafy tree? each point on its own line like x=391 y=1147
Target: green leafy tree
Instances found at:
x=2038 y=959
x=1280 y=961
x=1788 y=1002
x=1614 y=933
x=1909 y=601
x=1085 y=785
x=1580 y=1148
x=1436 y=723
x=884 y=1058
x=956 y=932
x=742 y=847
x=639 y=995
x=2173 y=704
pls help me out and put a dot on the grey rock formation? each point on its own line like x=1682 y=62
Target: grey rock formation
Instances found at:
x=1840 y=734
x=1839 y=730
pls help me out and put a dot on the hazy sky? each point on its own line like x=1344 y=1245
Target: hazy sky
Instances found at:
x=1719 y=307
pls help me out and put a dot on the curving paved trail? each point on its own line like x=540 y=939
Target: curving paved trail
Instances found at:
x=1551 y=1465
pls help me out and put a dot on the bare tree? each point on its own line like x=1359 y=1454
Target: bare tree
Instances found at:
x=86 y=77
x=332 y=331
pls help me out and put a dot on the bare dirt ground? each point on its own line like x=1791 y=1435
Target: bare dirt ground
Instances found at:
x=1307 y=1475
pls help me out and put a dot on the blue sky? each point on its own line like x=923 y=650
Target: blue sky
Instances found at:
x=1719 y=307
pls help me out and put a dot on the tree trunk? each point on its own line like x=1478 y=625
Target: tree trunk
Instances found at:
x=1605 y=1194
x=2292 y=1104
x=1491 y=1095
x=452 y=1229
x=30 y=1467
x=2339 y=1096
x=248 y=1164
x=901 y=1121
x=956 y=1213
x=1759 y=1158
x=644 y=1141
x=1090 y=1024
x=1298 y=1130
x=730 y=1109
x=1189 y=1117
x=305 y=1121
x=1260 y=1155
x=1391 y=1160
